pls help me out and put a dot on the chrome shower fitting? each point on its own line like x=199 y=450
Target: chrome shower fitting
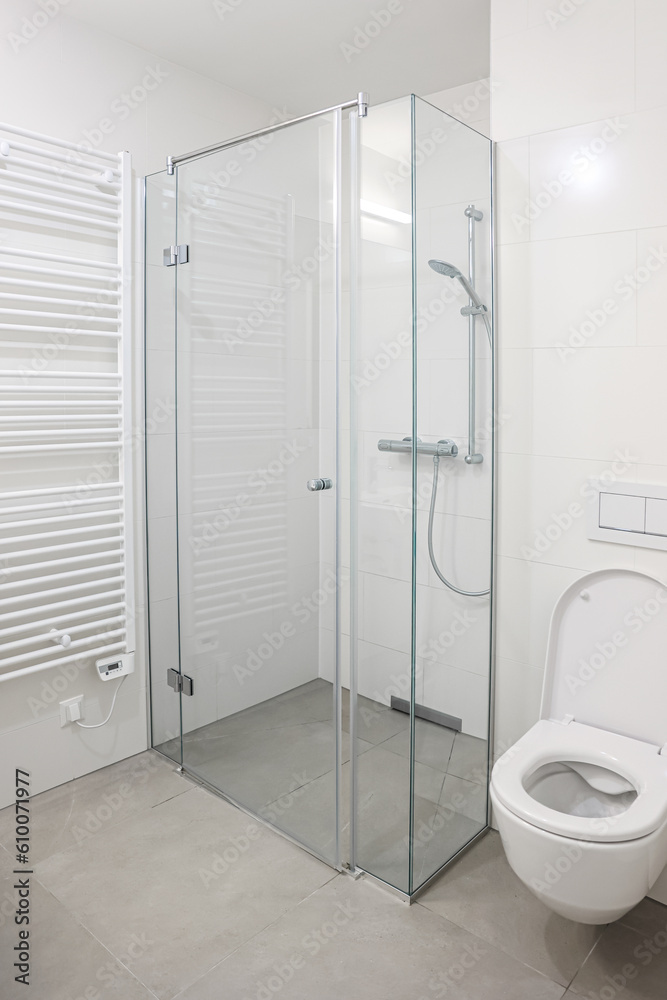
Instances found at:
x=444 y=447
x=474 y=308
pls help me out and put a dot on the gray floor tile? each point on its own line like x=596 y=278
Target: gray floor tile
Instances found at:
x=76 y=811
x=351 y=939
x=6 y=863
x=469 y=758
x=433 y=744
x=256 y=767
x=465 y=797
x=375 y=722
x=311 y=702
x=308 y=814
x=625 y=964
x=481 y=893
x=647 y=918
x=67 y=961
x=199 y=875
x=384 y=817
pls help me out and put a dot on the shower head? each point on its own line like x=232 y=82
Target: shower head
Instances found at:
x=442 y=267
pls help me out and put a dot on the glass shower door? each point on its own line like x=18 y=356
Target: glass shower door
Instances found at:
x=256 y=385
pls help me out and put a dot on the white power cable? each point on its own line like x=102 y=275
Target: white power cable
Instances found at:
x=113 y=704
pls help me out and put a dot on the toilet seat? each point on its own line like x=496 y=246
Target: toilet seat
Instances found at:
x=638 y=762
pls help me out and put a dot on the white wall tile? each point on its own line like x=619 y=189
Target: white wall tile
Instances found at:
x=595 y=304
x=385 y=611
x=651 y=46
x=651 y=279
x=526 y=594
x=39 y=749
x=518 y=696
x=615 y=175
x=554 y=76
x=459 y=693
x=512 y=191
x=383 y=672
x=614 y=401
x=508 y=16
x=546 y=519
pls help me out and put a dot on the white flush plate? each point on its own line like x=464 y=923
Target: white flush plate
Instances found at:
x=628 y=514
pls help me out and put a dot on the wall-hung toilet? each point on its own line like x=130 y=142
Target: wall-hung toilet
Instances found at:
x=581 y=799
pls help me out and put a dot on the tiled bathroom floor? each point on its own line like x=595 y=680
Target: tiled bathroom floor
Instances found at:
x=283 y=751
x=148 y=886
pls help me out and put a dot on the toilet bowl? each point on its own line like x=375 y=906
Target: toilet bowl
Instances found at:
x=581 y=800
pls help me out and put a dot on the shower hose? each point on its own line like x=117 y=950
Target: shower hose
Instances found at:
x=447 y=583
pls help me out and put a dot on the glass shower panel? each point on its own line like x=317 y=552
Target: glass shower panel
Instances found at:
x=454 y=490
x=256 y=386
x=382 y=394
x=160 y=373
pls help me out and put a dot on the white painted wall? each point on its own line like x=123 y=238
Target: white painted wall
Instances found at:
x=581 y=395
x=66 y=79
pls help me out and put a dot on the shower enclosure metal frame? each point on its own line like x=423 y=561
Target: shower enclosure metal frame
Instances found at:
x=412 y=446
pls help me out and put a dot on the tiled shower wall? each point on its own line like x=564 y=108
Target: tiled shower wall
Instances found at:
x=579 y=110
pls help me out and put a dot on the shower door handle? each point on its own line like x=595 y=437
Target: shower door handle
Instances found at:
x=314 y=485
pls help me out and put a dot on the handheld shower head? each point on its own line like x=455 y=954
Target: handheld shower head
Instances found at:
x=442 y=267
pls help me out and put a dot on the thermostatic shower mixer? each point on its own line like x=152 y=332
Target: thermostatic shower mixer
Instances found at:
x=443 y=448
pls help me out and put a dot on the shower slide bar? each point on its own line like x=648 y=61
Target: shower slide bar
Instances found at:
x=66 y=542
x=360 y=103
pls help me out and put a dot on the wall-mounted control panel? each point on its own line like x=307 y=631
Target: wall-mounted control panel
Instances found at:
x=629 y=513
x=115 y=666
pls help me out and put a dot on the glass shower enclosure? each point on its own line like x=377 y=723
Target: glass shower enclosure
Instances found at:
x=319 y=449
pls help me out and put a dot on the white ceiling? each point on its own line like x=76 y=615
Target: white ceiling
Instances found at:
x=288 y=52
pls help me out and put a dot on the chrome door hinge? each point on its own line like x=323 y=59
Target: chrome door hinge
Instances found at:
x=179 y=682
x=175 y=255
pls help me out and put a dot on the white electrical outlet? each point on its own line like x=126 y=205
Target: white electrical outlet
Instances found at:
x=70 y=710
